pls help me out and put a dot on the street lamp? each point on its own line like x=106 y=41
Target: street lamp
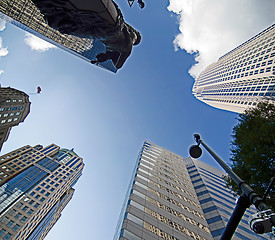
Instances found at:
x=261 y=222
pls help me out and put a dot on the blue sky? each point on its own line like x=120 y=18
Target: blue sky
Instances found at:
x=106 y=117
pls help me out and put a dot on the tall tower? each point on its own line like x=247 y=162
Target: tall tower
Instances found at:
x=216 y=200
x=35 y=186
x=161 y=201
x=14 y=108
x=242 y=77
x=174 y=198
x=25 y=15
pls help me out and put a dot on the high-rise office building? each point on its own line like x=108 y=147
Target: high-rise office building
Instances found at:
x=35 y=186
x=174 y=198
x=25 y=15
x=217 y=201
x=14 y=108
x=242 y=77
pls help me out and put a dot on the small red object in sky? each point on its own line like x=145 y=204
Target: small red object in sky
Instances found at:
x=38 y=89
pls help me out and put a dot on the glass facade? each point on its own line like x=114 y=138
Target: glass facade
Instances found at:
x=35 y=186
x=217 y=201
x=25 y=15
x=242 y=77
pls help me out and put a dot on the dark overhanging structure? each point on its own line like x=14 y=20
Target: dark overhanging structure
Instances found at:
x=100 y=19
x=93 y=30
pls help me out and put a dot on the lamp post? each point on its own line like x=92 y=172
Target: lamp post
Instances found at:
x=248 y=197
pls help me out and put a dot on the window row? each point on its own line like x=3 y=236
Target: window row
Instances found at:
x=9 y=108
x=14 y=100
x=11 y=114
x=9 y=120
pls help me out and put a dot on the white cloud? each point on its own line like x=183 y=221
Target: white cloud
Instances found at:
x=1 y=72
x=3 y=51
x=211 y=28
x=37 y=43
x=2 y=24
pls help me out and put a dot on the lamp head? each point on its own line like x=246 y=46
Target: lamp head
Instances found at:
x=195 y=151
x=197 y=137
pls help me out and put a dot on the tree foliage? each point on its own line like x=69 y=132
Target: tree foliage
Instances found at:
x=253 y=149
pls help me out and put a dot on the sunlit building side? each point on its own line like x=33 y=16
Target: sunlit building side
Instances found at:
x=25 y=15
x=174 y=198
x=14 y=108
x=35 y=186
x=161 y=202
x=242 y=77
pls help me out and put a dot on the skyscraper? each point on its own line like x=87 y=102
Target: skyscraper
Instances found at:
x=174 y=198
x=35 y=186
x=25 y=15
x=216 y=200
x=242 y=77
x=14 y=108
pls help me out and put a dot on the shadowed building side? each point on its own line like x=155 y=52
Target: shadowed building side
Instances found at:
x=14 y=108
x=25 y=15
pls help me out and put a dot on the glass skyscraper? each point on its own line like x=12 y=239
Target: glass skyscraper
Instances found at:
x=242 y=77
x=174 y=198
x=35 y=186
x=25 y=15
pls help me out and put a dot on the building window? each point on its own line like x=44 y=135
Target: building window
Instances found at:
x=25 y=209
x=36 y=205
x=2 y=232
x=30 y=211
x=15 y=227
x=18 y=215
x=20 y=107
x=4 y=220
x=2 y=109
x=23 y=219
x=37 y=196
x=7 y=236
x=12 y=212
x=10 y=223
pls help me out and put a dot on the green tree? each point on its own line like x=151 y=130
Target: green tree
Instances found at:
x=253 y=149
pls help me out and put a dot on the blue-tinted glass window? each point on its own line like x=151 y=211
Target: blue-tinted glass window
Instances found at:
x=23 y=219
x=7 y=236
x=15 y=227
x=2 y=232
x=10 y=223
x=18 y=215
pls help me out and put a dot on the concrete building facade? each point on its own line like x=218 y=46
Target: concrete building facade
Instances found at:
x=35 y=186
x=161 y=202
x=174 y=198
x=14 y=108
x=25 y=15
x=242 y=77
